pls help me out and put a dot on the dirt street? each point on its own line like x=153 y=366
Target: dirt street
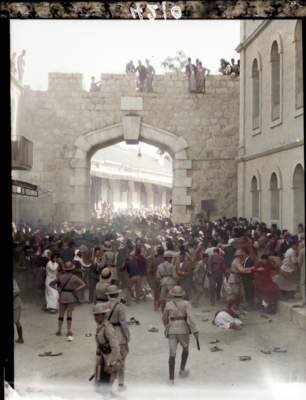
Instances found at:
x=220 y=374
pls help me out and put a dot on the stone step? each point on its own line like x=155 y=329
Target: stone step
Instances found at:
x=296 y=315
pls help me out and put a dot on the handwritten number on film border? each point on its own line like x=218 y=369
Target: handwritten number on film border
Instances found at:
x=176 y=11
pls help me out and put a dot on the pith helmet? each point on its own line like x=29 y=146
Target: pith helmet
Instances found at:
x=239 y=253
x=106 y=275
x=100 y=308
x=112 y=289
x=168 y=254
x=177 y=291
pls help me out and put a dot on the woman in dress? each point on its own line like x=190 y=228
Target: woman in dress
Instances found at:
x=51 y=295
x=192 y=81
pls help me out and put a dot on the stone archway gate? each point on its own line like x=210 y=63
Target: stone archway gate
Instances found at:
x=68 y=125
x=132 y=131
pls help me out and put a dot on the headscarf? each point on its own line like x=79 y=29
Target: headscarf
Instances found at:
x=46 y=253
x=77 y=258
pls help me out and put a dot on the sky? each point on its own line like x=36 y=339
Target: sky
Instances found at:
x=106 y=46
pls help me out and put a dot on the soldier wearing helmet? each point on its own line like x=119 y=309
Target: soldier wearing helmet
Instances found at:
x=235 y=279
x=178 y=329
x=108 y=351
x=105 y=281
x=117 y=318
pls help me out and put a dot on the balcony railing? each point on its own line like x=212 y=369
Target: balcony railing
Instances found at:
x=22 y=153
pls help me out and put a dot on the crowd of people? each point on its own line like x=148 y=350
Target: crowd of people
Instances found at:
x=108 y=212
x=18 y=70
x=249 y=265
x=196 y=75
x=228 y=69
x=144 y=79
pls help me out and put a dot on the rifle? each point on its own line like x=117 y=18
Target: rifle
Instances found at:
x=91 y=378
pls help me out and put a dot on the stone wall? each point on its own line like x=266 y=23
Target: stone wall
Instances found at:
x=68 y=125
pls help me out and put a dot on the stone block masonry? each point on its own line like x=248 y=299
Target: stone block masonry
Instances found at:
x=68 y=125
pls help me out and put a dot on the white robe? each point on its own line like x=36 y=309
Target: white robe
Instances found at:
x=51 y=294
x=223 y=320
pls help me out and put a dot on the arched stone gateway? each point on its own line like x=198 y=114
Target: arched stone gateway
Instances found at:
x=68 y=125
x=131 y=129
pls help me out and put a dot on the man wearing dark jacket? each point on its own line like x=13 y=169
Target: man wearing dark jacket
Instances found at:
x=67 y=255
x=247 y=279
x=229 y=257
x=215 y=271
x=142 y=74
x=188 y=68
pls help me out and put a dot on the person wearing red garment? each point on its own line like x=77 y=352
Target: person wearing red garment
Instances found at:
x=265 y=289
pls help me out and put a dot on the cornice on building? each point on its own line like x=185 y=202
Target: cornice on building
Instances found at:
x=253 y=36
x=277 y=149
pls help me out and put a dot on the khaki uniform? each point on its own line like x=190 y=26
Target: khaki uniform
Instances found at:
x=109 y=260
x=118 y=320
x=99 y=294
x=235 y=279
x=180 y=323
x=166 y=272
x=106 y=338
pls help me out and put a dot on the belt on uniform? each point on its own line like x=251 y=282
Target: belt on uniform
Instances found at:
x=166 y=276
x=104 y=300
x=178 y=319
x=116 y=323
x=67 y=290
x=105 y=349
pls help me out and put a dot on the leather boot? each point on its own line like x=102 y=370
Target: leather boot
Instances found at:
x=20 y=338
x=171 y=368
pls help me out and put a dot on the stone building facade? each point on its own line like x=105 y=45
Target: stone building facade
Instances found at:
x=68 y=125
x=271 y=135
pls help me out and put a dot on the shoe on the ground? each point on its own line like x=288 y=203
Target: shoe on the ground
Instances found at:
x=122 y=388
x=19 y=341
x=171 y=382
x=184 y=373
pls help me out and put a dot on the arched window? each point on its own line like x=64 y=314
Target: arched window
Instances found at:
x=298 y=66
x=274 y=197
x=275 y=82
x=298 y=198
x=255 y=198
x=255 y=93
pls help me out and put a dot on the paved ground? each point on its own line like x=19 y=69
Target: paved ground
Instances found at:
x=274 y=376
